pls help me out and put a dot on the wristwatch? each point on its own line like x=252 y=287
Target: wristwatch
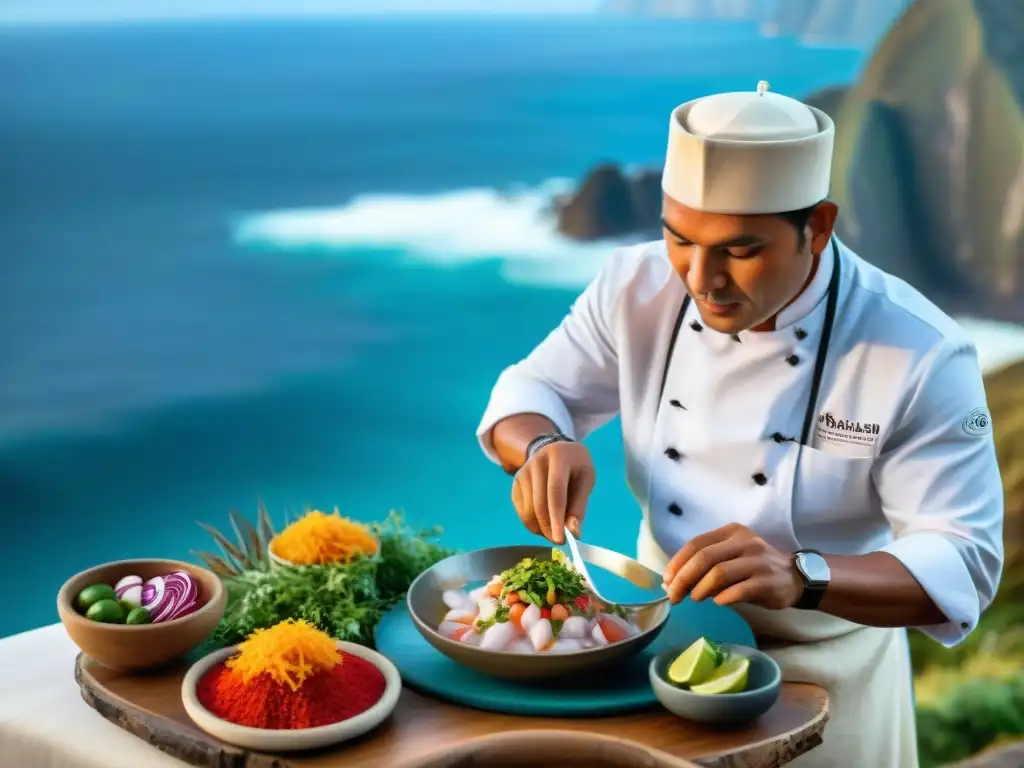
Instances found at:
x=815 y=573
x=546 y=439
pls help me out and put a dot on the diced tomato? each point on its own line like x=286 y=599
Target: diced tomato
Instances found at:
x=582 y=603
x=458 y=633
x=494 y=590
x=559 y=612
x=545 y=612
x=464 y=619
x=512 y=598
x=515 y=614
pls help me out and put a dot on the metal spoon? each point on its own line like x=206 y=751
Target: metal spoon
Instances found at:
x=626 y=567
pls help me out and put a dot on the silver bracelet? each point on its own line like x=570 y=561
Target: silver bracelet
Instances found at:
x=542 y=440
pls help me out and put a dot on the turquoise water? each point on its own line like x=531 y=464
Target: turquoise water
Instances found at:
x=286 y=262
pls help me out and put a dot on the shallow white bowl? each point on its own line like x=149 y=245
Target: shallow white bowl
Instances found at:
x=268 y=740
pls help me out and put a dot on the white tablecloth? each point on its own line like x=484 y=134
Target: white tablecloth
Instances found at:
x=44 y=723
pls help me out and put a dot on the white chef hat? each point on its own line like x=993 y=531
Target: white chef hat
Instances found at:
x=748 y=152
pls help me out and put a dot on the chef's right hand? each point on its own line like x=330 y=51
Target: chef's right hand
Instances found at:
x=550 y=491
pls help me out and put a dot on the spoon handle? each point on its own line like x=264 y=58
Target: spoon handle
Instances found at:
x=579 y=563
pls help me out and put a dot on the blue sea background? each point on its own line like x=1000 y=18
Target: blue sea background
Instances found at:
x=285 y=261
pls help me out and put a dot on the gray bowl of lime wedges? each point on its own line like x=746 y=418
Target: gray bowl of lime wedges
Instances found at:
x=716 y=684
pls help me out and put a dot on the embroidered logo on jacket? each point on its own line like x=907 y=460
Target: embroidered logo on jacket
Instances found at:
x=836 y=430
x=977 y=422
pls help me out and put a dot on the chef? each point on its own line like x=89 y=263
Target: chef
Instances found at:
x=807 y=436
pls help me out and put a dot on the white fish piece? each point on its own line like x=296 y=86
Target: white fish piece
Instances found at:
x=487 y=608
x=588 y=642
x=472 y=638
x=575 y=627
x=478 y=594
x=449 y=628
x=566 y=645
x=498 y=636
x=598 y=635
x=457 y=600
x=541 y=635
x=530 y=617
x=458 y=614
x=521 y=645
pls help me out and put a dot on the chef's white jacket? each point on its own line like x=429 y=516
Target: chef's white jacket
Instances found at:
x=900 y=457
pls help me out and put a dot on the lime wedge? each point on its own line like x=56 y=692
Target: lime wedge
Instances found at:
x=731 y=677
x=694 y=665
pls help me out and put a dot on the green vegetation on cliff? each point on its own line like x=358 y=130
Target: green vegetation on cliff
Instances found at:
x=973 y=695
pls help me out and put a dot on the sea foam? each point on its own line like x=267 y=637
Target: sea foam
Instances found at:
x=448 y=229
x=516 y=227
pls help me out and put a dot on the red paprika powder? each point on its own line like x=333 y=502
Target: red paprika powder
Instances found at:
x=329 y=696
x=288 y=677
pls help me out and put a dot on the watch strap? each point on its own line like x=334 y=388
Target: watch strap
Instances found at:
x=811 y=598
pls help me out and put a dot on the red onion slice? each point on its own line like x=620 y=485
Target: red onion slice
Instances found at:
x=170 y=597
x=155 y=597
x=129 y=590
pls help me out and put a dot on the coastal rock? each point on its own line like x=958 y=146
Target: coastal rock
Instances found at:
x=1002 y=26
x=611 y=203
x=828 y=100
x=935 y=113
x=929 y=159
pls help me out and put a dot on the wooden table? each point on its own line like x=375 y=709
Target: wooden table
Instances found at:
x=425 y=733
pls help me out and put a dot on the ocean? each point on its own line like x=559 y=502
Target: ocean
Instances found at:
x=285 y=261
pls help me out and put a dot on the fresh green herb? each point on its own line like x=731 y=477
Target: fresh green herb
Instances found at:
x=721 y=654
x=556 y=627
x=500 y=617
x=542 y=582
x=344 y=600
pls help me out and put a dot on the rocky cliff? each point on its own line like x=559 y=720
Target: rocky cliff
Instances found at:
x=929 y=159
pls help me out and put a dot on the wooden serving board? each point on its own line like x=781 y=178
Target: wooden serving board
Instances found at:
x=424 y=733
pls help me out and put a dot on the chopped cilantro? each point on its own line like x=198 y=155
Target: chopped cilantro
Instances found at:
x=500 y=617
x=543 y=582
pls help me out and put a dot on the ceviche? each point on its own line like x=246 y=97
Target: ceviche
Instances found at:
x=536 y=606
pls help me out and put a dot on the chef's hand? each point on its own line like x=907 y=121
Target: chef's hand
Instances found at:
x=733 y=565
x=550 y=490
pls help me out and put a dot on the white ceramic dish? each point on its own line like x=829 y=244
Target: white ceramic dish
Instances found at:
x=267 y=740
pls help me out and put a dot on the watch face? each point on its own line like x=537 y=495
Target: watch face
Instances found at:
x=813 y=566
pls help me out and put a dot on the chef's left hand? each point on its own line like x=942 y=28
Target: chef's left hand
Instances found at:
x=733 y=565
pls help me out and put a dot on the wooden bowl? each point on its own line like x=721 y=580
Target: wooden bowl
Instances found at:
x=267 y=740
x=551 y=749
x=136 y=648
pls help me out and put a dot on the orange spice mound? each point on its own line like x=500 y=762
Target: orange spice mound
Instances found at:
x=330 y=696
x=288 y=653
x=318 y=539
